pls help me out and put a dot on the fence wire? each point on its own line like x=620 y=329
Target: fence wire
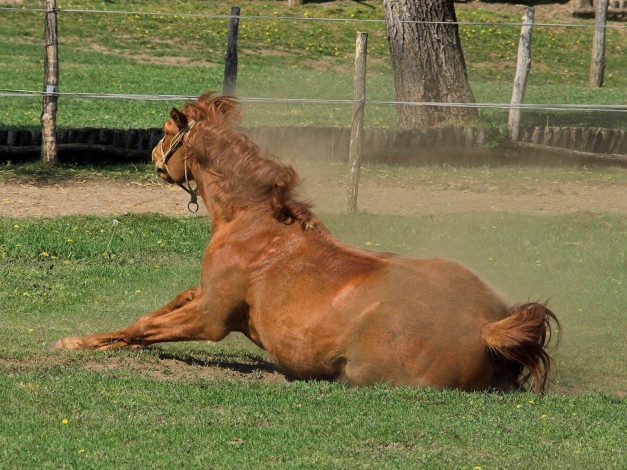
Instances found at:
x=611 y=108
x=303 y=18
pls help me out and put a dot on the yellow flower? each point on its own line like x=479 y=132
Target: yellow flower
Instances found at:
x=368 y=243
x=45 y=254
x=543 y=416
x=518 y=406
x=16 y=226
x=138 y=291
x=64 y=421
x=30 y=330
x=81 y=451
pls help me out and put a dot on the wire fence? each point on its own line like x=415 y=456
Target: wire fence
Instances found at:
x=146 y=97
x=303 y=18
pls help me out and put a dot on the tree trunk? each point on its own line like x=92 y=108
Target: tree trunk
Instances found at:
x=428 y=62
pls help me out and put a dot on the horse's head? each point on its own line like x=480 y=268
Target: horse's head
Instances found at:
x=168 y=156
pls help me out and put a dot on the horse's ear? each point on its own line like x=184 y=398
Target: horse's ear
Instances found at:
x=179 y=118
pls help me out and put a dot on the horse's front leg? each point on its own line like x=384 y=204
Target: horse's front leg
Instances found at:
x=128 y=337
x=177 y=302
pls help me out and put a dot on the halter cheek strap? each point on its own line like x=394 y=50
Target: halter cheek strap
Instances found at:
x=192 y=205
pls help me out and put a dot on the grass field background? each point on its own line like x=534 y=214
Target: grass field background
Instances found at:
x=82 y=274
x=284 y=59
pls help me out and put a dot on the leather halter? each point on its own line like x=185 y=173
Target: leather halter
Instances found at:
x=165 y=156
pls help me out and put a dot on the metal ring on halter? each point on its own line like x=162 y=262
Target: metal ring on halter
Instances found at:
x=189 y=206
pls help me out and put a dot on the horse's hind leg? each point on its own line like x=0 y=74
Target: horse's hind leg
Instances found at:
x=109 y=340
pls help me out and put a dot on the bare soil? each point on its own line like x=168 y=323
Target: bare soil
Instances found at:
x=167 y=368
x=405 y=195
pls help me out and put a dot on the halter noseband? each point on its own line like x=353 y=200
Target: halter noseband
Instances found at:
x=165 y=156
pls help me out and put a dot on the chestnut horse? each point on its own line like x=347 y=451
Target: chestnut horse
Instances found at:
x=322 y=309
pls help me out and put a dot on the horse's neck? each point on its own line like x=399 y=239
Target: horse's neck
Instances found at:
x=219 y=204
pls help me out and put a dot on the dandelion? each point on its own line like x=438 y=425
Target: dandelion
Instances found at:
x=368 y=243
x=67 y=262
x=476 y=467
x=81 y=451
x=25 y=294
x=16 y=226
x=519 y=406
x=138 y=291
x=64 y=421
x=45 y=254
x=30 y=330
x=543 y=416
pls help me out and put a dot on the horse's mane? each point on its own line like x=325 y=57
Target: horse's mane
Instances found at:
x=244 y=176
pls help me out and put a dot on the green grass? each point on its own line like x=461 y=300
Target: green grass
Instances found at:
x=143 y=423
x=184 y=56
x=79 y=274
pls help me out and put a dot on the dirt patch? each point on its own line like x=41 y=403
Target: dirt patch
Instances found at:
x=327 y=191
x=267 y=53
x=151 y=59
x=173 y=368
x=544 y=13
x=331 y=64
x=168 y=367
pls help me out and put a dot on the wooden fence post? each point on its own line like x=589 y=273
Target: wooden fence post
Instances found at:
x=357 y=128
x=597 y=62
x=230 y=60
x=522 y=71
x=51 y=86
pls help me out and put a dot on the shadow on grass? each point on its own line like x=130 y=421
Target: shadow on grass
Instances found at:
x=253 y=366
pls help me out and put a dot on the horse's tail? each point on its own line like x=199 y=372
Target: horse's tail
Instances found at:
x=518 y=344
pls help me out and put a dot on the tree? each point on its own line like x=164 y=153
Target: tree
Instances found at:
x=428 y=61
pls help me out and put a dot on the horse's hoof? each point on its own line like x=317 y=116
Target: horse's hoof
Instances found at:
x=65 y=343
x=55 y=346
